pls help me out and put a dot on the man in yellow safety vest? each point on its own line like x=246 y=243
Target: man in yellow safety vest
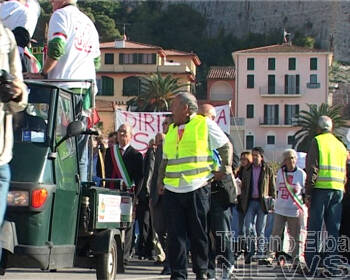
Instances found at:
x=325 y=168
x=185 y=174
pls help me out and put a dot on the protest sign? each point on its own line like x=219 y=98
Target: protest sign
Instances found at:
x=147 y=124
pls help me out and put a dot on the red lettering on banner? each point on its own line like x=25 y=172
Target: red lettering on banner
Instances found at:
x=140 y=121
x=140 y=138
x=221 y=116
x=158 y=123
x=129 y=118
x=149 y=123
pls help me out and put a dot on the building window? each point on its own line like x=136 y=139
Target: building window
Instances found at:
x=250 y=111
x=250 y=81
x=148 y=58
x=132 y=86
x=105 y=86
x=290 y=140
x=292 y=63
x=291 y=84
x=271 y=114
x=290 y=113
x=271 y=89
x=313 y=79
x=109 y=58
x=250 y=63
x=271 y=63
x=137 y=58
x=313 y=63
x=313 y=82
x=270 y=140
x=249 y=142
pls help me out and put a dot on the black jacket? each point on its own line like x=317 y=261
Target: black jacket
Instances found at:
x=148 y=165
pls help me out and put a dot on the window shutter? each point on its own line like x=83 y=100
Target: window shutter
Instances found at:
x=265 y=114
x=286 y=84
x=313 y=63
x=250 y=63
x=297 y=84
x=276 y=114
x=154 y=57
x=271 y=64
x=121 y=58
x=271 y=84
x=286 y=114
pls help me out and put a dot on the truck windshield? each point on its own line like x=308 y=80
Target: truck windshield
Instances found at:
x=31 y=124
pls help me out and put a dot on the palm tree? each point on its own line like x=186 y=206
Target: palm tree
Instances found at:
x=308 y=121
x=156 y=91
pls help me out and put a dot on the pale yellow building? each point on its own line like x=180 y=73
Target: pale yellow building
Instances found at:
x=124 y=62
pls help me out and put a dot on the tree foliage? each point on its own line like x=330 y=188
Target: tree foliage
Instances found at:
x=157 y=91
x=102 y=13
x=308 y=123
x=172 y=26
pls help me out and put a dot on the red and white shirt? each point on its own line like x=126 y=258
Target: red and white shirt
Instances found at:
x=285 y=204
x=82 y=45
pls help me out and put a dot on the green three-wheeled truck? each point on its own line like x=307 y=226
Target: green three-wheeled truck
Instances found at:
x=53 y=220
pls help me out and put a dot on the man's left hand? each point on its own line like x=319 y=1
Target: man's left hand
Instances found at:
x=219 y=175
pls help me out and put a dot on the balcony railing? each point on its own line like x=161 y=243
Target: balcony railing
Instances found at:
x=277 y=91
x=274 y=123
x=237 y=121
x=313 y=85
x=147 y=68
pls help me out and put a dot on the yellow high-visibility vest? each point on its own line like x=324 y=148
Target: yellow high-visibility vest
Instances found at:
x=189 y=158
x=332 y=162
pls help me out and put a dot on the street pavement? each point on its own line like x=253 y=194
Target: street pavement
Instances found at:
x=143 y=270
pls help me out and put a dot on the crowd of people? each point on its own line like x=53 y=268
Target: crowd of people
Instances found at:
x=184 y=205
x=187 y=190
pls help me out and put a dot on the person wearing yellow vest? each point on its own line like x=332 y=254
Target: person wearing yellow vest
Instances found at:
x=325 y=169
x=185 y=174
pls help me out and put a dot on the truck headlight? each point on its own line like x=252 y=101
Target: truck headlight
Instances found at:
x=18 y=198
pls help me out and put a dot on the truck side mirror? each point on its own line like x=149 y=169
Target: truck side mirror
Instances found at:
x=74 y=128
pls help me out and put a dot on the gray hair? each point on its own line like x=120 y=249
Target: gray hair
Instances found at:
x=325 y=123
x=190 y=100
x=127 y=126
x=288 y=153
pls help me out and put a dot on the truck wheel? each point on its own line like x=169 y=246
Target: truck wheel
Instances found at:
x=106 y=264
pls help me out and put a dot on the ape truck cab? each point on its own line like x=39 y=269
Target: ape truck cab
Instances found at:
x=53 y=220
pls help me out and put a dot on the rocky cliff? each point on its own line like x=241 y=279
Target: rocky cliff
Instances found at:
x=327 y=21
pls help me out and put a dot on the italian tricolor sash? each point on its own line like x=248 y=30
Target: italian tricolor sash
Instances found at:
x=119 y=169
x=295 y=198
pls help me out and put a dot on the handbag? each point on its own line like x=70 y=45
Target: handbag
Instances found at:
x=228 y=188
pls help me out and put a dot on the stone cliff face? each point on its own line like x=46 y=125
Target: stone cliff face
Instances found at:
x=327 y=21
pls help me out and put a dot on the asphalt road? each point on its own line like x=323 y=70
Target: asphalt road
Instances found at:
x=142 y=270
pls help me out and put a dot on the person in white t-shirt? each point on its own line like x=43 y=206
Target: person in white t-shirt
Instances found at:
x=289 y=206
x=73 y=53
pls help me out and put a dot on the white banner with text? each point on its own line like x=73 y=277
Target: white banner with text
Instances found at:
x=147 y=124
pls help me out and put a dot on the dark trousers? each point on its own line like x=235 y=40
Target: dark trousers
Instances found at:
x=326 y=204
x=145 y=242
x=187 y=217
x=219 y=218
x=129 y=232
